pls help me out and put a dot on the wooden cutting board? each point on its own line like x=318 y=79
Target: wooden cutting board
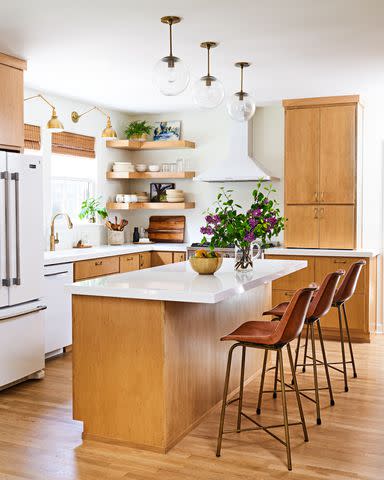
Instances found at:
x=167 y=228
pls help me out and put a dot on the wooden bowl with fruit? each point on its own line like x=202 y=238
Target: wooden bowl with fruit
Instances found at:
x=206 y=262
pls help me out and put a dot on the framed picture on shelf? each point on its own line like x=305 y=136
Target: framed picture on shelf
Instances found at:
x=167 y=130
x=158 y=191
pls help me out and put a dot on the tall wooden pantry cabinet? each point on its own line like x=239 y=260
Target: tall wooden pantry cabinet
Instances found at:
x=321 y=168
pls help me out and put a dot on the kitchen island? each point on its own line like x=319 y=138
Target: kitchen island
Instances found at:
x=148 y=364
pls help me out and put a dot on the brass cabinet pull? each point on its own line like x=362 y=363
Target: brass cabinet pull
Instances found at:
x=321 y=212
x=321 y=196
x=339 y=261
x=316 y=196
x=289 y=294
x=129 y=259
x=316 y=213
x=97 y=264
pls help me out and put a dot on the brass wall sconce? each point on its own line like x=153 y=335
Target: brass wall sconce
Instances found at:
x=108 y=132
x=53 y=124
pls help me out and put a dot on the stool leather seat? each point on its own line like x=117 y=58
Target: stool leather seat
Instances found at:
x=277 y=310
x=254 y=332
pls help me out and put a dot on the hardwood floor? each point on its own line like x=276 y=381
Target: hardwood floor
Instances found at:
x=39 y=440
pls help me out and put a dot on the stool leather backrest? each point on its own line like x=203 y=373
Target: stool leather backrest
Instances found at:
x=323 y=298
x=348 y=285
x=292 y=322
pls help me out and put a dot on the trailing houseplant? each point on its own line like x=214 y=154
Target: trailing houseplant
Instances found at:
x=90 y=208
x=137 y=130
x=227 y=224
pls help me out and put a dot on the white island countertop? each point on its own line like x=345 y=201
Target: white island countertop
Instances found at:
x=179 y=283
x=322 y=252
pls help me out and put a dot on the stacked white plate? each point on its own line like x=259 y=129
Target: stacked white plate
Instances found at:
x=142 y=197
x=123 y=167
x=175 y=196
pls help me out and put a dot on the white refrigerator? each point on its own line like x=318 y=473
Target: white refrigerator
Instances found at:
x=21 y=268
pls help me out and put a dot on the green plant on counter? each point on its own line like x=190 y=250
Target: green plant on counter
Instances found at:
x=137 y=129
x=90 y=208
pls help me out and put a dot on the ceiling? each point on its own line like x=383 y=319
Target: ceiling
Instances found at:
x=103 y=52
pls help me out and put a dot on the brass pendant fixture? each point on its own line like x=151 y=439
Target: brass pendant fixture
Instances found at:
x=241 y=106
x=170 y=74
x=208 y=91
x=108 y=133
x=53 y=125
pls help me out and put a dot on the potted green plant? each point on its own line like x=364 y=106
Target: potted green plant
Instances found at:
x=226 y=225
x=90 y=208
x=138 y=131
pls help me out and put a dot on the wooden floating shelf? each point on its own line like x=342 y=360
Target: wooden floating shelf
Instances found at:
x=148 y=175
x=150 y=206
x=160 y=145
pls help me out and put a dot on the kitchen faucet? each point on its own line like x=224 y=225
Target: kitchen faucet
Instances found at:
x=53 y=240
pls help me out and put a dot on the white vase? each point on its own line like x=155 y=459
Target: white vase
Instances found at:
x=115 y=237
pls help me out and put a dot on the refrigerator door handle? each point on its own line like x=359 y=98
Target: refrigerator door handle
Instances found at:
x=15 y=176
x=6 y=282
x=38 y=308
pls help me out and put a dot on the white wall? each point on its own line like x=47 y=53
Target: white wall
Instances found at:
x=210 y=130
x=37 y=112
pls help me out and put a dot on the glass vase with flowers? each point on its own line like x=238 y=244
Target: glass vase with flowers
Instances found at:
x=227 y=224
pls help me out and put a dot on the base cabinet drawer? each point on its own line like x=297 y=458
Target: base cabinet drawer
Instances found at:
x=178 y=257
x=161 y=258
x=325 y=265
x=96 y=268
x=145 y=260
x=129 y=263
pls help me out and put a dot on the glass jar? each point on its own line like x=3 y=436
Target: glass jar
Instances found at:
x=165 y=167
x=172 y=167
x=180 y=165
x=244 y=256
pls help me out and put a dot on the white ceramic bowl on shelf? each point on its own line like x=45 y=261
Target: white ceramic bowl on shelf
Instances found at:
x=123 y=167
x=141 y=167
x=154 y=168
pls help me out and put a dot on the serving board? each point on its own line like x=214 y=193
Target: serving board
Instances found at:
x=166 y=228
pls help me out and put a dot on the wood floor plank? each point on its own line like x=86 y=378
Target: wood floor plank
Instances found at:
x=39 y=440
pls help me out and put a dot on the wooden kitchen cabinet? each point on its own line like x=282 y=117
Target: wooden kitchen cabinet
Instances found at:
x=161 y=258
x=337 y=164
x=145 y=260
x=337 y=226
x=96 y=268
x=321 y=152
x=361 y=308
x=302 y=227
x=11 y=103
x=129 y=263
x=178 y=257
x=302 y=138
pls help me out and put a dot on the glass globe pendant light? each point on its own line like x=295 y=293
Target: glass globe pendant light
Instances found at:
x=241 y=106
x=170 y=74
x=208 y=91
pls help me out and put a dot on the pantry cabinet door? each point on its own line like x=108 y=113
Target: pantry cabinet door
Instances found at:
x=302 y=155
x=11 y=108
x=337 y=226
x=302 y=227
x=338 y=154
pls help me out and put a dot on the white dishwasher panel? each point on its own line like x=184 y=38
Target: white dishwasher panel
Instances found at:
x=58 y=315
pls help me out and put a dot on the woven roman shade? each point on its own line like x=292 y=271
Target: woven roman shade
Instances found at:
x=32 y=138
x=73 y=144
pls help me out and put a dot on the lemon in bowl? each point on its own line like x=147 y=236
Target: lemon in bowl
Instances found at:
x=206 y=262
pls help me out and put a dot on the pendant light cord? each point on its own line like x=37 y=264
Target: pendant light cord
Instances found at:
x=170 y=39
x=209 y=60
x=241 y=79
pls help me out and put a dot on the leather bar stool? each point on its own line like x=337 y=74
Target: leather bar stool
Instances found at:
x=268 y=336
x=320 y=305
x=343 y=294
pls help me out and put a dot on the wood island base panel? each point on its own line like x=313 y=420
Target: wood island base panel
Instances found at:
x=146 y=372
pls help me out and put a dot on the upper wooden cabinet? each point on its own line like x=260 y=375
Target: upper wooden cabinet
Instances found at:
x=11 y=103
x=321 y=203
x=302 y=137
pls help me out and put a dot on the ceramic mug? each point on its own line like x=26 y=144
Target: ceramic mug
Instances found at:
x=120 y=198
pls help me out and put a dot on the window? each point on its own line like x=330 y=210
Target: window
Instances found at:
x=72 y=181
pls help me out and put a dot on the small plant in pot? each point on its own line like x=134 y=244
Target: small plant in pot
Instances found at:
x=138 y=131
x=90 y=208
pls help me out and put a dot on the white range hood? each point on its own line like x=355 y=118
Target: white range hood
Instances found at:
x=239 y=165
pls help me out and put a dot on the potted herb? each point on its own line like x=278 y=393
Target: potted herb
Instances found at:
x=90 y=208
x=138 y=131
x=226 y=225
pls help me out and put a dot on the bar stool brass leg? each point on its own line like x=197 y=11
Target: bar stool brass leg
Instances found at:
x=318 y=419
x=275 y=380
x=285 y=412
x=325 y=363
x=296 y=355
x=349 y=342
x=240 y=404
x=298 y=399
x=342 y=349
x=258 y=409
x=225 y=394
x=305 y=348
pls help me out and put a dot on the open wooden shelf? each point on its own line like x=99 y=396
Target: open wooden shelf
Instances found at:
x=150 y=206
x=148 y=175
x=160 y=145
